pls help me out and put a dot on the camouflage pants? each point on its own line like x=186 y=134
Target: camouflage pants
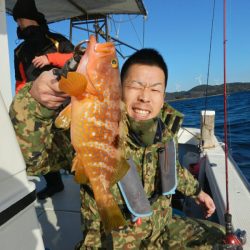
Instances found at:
x=179 y=233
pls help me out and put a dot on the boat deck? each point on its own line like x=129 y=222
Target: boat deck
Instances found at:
x=214 y=171
x=59 y=216
x=239 y=193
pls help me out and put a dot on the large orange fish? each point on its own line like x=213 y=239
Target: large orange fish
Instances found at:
x=95 y=113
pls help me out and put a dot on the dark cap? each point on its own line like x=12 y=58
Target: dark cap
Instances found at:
x=27 y=9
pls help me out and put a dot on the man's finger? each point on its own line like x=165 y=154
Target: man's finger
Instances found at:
x=54 y=105
x=57 y=98
x=51 y=101
x=54 y=85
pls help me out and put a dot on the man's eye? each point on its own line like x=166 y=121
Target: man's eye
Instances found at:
x=156 y=90
x=134 y=86
x=138 y=87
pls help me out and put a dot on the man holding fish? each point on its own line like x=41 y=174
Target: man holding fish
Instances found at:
x=134 y=166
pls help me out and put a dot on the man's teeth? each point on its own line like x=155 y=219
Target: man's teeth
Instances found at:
x=143 y=112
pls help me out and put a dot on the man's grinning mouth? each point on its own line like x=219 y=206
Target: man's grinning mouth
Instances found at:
x=141 y=111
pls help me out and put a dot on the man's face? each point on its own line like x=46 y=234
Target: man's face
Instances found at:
x=143 y=91
x=24 y=23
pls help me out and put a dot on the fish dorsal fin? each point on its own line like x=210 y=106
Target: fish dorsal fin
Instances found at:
x=74 y=85
x=64 y=118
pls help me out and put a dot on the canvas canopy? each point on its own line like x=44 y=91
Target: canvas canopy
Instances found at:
x=57 y=10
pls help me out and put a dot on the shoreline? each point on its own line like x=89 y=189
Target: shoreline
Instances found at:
x=190 y=98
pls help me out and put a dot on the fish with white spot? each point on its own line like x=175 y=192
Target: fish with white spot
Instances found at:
x=95 y=112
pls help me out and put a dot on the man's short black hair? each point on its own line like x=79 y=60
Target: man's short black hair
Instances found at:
x=147 y=56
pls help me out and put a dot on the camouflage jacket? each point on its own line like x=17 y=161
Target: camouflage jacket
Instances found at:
x=47 y=148
x=146 y=161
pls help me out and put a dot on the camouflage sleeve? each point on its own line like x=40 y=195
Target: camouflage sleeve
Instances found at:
x=187 y=184
x=33 y=124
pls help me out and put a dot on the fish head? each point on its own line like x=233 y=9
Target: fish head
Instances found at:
x=100 y=66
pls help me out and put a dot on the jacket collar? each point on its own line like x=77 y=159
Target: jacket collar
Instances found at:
x=169 y=123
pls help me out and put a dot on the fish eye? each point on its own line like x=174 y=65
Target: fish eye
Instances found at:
x=114 y=63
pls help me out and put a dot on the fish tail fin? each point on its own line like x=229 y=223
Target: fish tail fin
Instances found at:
x=78 y=168
x=111 y=216
x=64 y=118
x=74 y=85
x=121 y=170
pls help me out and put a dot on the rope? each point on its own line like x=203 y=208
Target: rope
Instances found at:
x=194 y=135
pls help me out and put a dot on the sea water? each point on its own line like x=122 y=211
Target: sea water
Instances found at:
x=238 y=109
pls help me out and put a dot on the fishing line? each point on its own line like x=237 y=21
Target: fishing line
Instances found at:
x=143 y=30
x=209 y=54
x=208 y=68
x=117 y=31
x=128 y=20
x=135 y=31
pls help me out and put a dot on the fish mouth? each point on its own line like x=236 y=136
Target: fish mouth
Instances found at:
x=105 y=48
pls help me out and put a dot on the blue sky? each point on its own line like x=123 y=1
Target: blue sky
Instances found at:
x=180 y=31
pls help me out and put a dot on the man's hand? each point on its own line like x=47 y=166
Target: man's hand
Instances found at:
x=45 y=90
x=204 y=200
x=40 y=61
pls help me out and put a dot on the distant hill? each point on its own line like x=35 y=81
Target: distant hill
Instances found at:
x=200 y=91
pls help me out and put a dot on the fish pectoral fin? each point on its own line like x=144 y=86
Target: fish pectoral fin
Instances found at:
x=78 y=168
x=64 y=118
x=120 y=170
x=111 y=215
x=74 y=85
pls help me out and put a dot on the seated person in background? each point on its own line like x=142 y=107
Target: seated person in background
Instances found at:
x=152 y=124
x=40 y=51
